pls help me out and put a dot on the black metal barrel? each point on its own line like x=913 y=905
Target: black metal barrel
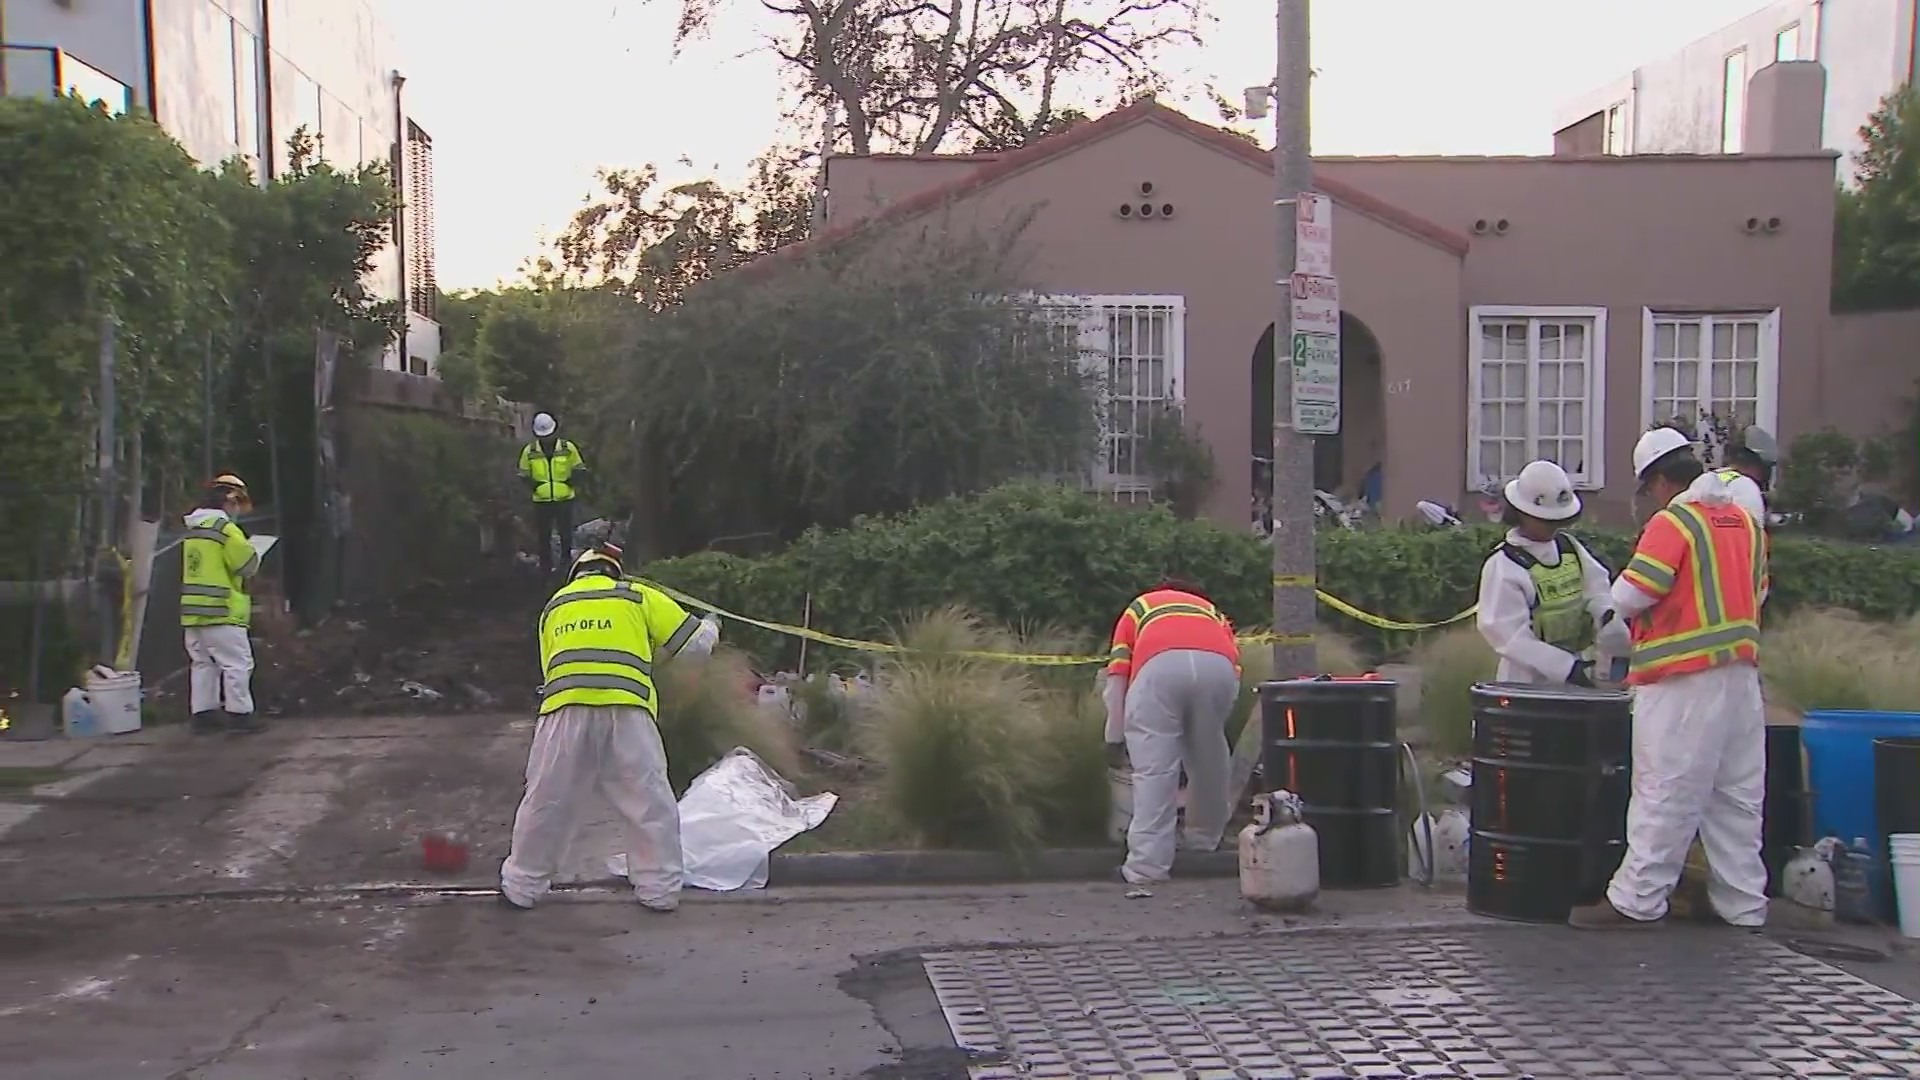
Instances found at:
x=1788 y=810
x=1333 y=743
x=1549 y=803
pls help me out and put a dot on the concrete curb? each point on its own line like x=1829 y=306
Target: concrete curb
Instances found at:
x=976 y=867
x=816 y=869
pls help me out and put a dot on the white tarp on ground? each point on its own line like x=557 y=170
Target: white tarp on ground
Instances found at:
x=733 y=816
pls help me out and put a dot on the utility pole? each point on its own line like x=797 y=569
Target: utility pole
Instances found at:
x=1293 y=524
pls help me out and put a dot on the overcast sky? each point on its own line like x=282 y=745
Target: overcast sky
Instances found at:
x=525 y=100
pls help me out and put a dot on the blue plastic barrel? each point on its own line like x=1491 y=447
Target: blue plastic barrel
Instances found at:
x=1839 y=745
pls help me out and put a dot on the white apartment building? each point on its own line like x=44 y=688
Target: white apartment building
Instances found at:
x=237 y=78
x=1696 y=100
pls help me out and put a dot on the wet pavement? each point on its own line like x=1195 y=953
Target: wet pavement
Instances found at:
x=890 y=982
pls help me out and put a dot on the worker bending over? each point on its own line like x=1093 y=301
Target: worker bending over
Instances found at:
x=1541 y=591
x=1692 y=591
x=215 y=562
x=1172 y=679
x=600 y=638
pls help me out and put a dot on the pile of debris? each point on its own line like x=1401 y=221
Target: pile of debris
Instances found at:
x=441 y=647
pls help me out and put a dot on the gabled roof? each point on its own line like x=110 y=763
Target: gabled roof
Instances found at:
x=993 y=168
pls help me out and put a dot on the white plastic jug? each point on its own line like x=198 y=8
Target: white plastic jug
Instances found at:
x=115 y=697
x=76 y=715
x=1279 y=855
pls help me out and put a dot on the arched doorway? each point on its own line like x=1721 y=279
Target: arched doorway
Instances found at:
x=1340 y=462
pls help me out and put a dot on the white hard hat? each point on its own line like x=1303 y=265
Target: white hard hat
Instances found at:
x=543 y=425
x=1760 y=442
x=1655 y=445
x=1542 y=490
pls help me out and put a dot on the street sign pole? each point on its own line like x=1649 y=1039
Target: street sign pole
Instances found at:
x=1293 y=528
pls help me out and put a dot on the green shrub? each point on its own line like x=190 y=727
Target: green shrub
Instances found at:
x=1450 y=662
x=706 y=711
x=956 y=739
x=1040 y=555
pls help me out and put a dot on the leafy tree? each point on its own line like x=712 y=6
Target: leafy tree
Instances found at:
x=307 y=246
x=924 y=76
x=104 y=216
x=653 y=244
x=875 y=379
x=1876 y=259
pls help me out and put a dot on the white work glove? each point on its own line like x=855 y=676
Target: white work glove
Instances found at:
x=1613 y=637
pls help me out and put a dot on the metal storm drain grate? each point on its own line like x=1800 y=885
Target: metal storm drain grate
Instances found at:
x=1505 y=1003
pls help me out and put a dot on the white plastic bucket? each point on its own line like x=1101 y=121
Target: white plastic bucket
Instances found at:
x=1906 y=881
x=1120 y=803
x=115 y=697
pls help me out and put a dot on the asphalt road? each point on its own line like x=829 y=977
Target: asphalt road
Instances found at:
x=818 y=983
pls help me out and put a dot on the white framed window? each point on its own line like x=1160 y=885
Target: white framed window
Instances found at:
x=1724 y=365
x=1135 y=350
x=1786 y=43
x=1536 y=390
x=1616 y=130
x=1733 y=100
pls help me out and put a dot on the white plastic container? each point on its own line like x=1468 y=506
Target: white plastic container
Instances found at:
x=77 y=720
x=1451 y=827
x=115 y=697
x=1807 y=880
x=1119 y=802
x=1906 y=881
x=1279 y=855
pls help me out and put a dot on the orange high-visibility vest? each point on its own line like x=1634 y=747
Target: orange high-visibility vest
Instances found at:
x=1706 y=565
x=1169 y=619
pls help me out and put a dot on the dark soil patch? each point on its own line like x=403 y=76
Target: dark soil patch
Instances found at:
x=440 y=647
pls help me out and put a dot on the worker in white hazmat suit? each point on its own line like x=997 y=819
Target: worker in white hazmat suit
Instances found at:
x=600 y=638
x=1173 y=675
x=1692 y=592
x=1541 y=591
x=1750 y=468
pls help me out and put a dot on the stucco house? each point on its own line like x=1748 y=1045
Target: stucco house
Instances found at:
x=1493 y=309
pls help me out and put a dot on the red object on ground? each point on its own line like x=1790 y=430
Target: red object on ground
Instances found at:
x=443 y=852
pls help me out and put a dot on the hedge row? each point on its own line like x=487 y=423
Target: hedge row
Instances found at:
x=1043 y=556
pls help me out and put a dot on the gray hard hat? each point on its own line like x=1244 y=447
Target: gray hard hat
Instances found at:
x=1759 y=441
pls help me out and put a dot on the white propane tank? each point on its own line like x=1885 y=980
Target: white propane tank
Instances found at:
x=1449 y=859
x=1808 y=880
x=1279 y=855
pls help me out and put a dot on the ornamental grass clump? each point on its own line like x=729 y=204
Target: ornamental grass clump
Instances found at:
x=1073 y=796
x=707 y=709
x=1830 y=659
x=958 y=738
x=1450 y=663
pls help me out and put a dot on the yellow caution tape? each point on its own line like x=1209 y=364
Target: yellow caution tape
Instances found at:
x=1034 y=659
x=1382 y=623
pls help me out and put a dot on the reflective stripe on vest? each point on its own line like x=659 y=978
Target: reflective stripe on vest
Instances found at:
x=1182 y=621
x=1700 y=624
x=606 y=659
x=1559 y=609
x=209 y=592
x=551 y=472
